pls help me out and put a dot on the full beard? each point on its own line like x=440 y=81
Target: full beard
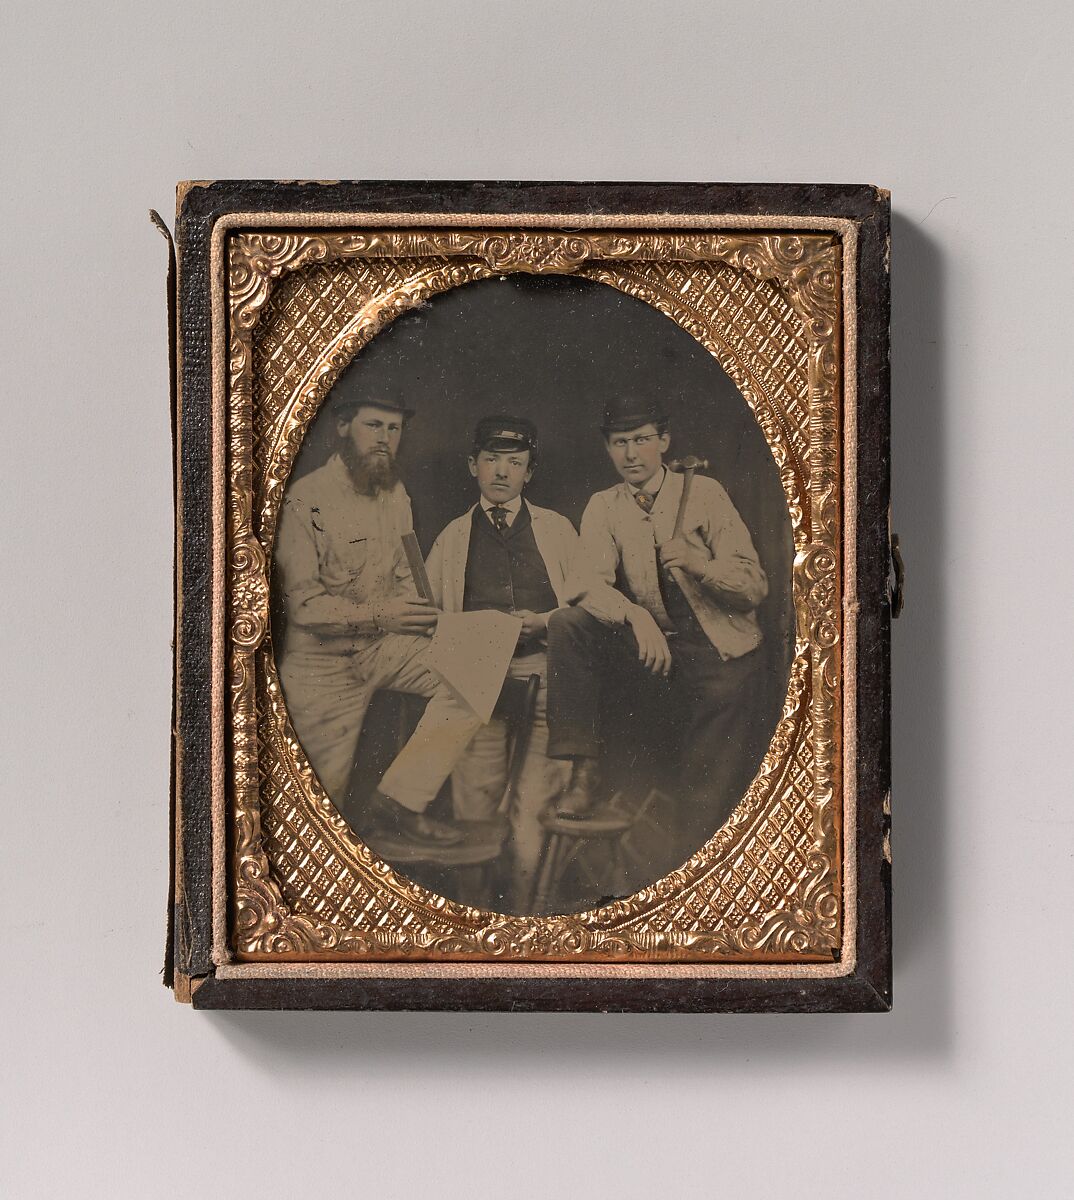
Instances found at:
x=370 y=473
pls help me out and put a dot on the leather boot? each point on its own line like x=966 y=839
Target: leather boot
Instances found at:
x=388 y=816
x=580 y=797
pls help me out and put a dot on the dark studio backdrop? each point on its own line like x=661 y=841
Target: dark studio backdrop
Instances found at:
x=554 y=349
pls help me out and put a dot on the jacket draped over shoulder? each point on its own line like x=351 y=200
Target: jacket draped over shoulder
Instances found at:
x=619 y=543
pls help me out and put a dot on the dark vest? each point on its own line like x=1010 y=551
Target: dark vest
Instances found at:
x=505 y=571
x=676 y=605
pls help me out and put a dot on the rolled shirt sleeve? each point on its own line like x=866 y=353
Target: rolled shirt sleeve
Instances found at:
x=734 y=575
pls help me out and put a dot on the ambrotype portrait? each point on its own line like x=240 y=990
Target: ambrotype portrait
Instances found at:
x=531 y=595
x=534 y=596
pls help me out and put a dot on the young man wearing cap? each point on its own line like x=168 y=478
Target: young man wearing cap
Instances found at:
x=684 y=610
x=508 y=554
x=355 y=624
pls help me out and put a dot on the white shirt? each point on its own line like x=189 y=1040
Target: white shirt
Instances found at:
x=338 y=551
x=511 y=507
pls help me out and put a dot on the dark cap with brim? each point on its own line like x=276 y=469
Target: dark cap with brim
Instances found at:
x=502 y=433
x=356 y=389
x=631 y=412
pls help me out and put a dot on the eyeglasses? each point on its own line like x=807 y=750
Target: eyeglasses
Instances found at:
x=641 y=439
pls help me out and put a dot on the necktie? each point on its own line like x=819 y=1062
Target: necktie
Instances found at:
x=645 y=501
x=499 y=517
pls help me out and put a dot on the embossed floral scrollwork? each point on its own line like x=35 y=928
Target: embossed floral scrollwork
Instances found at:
x=809 y=925
x=816 y=586
x=538 y=254
x=267 y=926
x=256 y=259
x=249 y=594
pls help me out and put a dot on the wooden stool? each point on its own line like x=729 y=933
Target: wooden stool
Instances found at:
x=564 y=839
x=470 y=862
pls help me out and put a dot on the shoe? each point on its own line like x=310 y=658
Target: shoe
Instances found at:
x=580 y=797
x=390 y=817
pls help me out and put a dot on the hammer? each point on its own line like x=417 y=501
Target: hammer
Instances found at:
x=686 y=467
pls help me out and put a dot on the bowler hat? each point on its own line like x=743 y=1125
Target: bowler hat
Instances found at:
x=502 y=432
x=631 y=411
x=357 y=387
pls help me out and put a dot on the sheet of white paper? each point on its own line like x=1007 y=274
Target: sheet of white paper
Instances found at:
x=471 y=652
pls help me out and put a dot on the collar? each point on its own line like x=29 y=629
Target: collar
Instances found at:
x=653 y=491
x=513 y=508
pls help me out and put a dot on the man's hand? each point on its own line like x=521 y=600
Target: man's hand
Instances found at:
x=404 y=615
x=533 y=624
x=679 y=553
x=653 y=650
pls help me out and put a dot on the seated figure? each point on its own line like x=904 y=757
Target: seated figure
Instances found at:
x=507 y=554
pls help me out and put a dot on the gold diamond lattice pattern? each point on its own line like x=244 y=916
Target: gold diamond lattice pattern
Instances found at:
x=752 y=328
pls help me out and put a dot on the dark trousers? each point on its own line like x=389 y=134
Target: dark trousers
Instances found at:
x=717 y=697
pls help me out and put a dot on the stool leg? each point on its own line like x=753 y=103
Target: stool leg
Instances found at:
x=564 y=852
x=617 y=869
x=545 y=872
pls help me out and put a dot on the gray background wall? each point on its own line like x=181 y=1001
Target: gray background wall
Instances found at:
x=965 y=1088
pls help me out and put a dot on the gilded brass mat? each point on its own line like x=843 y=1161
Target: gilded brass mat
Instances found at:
x=766 y=886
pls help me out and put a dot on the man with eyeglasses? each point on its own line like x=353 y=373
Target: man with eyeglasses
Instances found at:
x=683 y=611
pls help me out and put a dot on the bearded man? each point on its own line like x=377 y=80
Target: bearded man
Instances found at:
x=355 y=624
